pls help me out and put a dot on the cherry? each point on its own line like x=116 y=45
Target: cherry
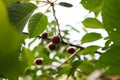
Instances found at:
x=44 y=35
x=52 y=46
x=55 y=39
x=71 y=50
x=38 y=61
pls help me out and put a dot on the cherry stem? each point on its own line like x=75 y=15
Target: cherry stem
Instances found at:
x=71 y=56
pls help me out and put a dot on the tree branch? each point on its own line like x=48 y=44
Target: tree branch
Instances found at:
x=65 y=43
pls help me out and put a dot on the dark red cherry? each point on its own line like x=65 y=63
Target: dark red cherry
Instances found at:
x=71 y=50
x=44 y=35
x=38 y=61
x=52 y=46
x=55 y=39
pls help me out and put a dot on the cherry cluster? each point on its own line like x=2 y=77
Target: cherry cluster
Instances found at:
x=52 y=46
x=54 y=41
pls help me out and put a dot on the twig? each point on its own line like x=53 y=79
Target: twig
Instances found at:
x=65 y=43
x=71 y=56
x=54 y=14
x=78 y=46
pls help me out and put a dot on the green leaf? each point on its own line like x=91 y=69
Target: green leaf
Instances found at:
x=25 y=0
x=42 y=50
x=111 y=19
x=75 y=65
x=63 y=70
x=10 y=46
x=111 y=60
x=37 y=24
x=107 y=45
x=87 y=67
x=24 y=36
x=98 y=10
x=90 y=49
x=8 y=2
x=92 y=5
x=31 y=72
x=61 y=55
x=92 y=23
x=31 y=42
x=43 y=53
x=65 y=4
x=28 y=55
x=19 y=14
x=90 y=37
x=73 y=28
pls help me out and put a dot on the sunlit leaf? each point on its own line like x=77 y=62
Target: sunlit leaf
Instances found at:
x=19 y=14
x=92 y=23
x=90 y=50
x=28 y=55
x=92 y=5
x=37 y=24
x=90 y=37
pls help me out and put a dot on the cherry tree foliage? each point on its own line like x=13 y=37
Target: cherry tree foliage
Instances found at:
x=54 y=57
